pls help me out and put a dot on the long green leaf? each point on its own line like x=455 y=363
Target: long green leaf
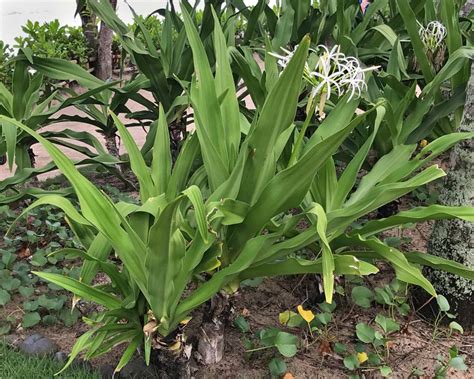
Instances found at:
x=327 y=257
x=416 y=215
x=82 y=290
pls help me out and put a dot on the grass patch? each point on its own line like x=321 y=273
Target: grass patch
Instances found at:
x=17 y=365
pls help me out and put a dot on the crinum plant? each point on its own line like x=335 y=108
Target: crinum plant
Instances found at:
x=222 y=213
x=189 y=220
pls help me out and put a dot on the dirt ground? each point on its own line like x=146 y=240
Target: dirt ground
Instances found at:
x=411 y=348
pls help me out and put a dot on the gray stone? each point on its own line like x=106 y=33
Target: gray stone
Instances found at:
x=137 y=369
x=38 y=345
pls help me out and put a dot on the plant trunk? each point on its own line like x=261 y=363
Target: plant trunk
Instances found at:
x=89 y=28
x=111 y=145
x=103 y=68
x=454 y=239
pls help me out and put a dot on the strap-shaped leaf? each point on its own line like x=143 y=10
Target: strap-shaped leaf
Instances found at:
x=82 y=290
x=161 y=164
x=424 y=259
x=139 y=167
x=327 y=257
x=57 y=201
x=340 y=219
x=344 y=265
x=225 y=84
x=411 y=24
x=163 y=261
x=207 y=112
x=82 y=343
x=416 y=215
x=195 y=196
x=288 y=188
x=404 y=270
x=276 y=116
x=129 y=352
x=349 y=176
x=249 y=253
x=10 y=136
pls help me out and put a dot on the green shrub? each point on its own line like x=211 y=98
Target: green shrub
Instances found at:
x=6 y=69
x=53 y=40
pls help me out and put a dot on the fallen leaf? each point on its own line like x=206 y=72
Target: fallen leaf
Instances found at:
x=24 y=253
x=245 y=312
x=308 y=316
x=325 y=348
x=149 y=328
x=288 y=375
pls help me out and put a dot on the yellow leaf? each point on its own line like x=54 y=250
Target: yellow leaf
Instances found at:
x=185 y=321
x=362 y=357
x=308 y=316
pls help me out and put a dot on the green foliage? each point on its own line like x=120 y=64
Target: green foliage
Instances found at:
x=228 y=207
x=6 y=68
x=28 y=248
x=53 y=40
x=454 y=360
x=189 y=223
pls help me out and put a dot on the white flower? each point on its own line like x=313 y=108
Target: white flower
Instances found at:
x=433 y=35
x=333 y=73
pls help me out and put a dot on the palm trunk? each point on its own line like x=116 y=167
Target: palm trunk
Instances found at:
x=454 y=239
x=89 y=28
x=103 y=69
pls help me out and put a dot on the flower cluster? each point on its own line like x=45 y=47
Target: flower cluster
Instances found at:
x=333 y=72
x=433 y=35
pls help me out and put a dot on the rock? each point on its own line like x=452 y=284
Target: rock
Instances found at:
x=211 y=343
x=137 y=369
x=38 y=345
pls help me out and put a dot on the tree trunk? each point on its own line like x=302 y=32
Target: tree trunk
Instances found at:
x=454 y=239
x=103 y=68
x=111 y=145
x=89 y=28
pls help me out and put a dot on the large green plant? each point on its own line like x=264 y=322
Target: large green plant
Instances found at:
x=224 y=208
